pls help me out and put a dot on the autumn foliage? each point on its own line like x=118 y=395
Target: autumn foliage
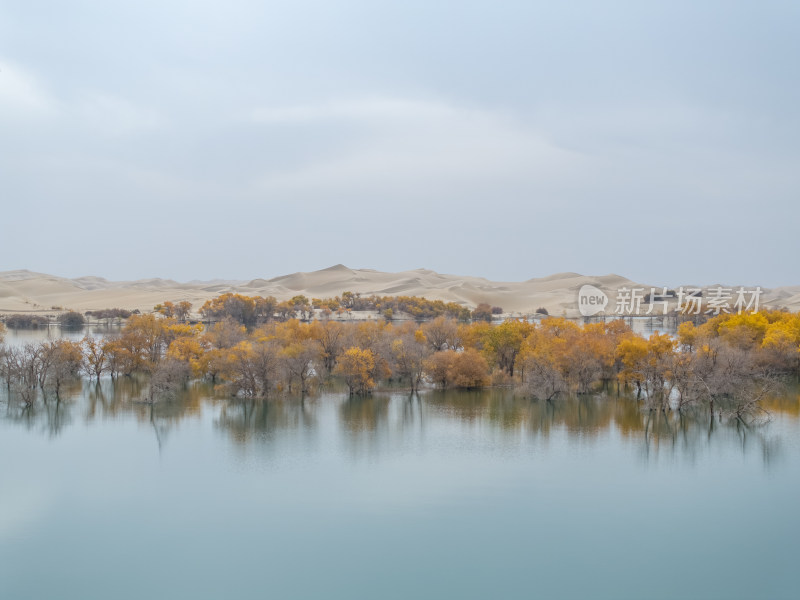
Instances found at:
x=356 y=366
x=256 y=347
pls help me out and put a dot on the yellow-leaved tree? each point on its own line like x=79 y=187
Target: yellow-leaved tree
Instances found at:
x=356 y=366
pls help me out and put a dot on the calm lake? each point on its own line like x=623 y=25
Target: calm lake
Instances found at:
x=440 y=495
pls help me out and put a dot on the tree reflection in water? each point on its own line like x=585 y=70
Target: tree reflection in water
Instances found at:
x=368 y=422
x=259 y=420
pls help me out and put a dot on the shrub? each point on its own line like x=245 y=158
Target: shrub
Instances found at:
x=26 y=321
x=72 y=320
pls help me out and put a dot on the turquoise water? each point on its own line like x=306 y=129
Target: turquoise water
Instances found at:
x=441 y=495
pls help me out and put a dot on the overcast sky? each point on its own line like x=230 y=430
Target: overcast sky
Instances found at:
x=510 y=140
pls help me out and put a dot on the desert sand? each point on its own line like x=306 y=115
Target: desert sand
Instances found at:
x=24 y=291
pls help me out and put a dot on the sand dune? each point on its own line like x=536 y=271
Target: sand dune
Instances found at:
x=26 y=291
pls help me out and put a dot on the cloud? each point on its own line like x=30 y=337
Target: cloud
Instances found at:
x=112 y=115
x=404 y=144
x=600 y=130
x=24 y=97
x=21 y=95
x=369 y=108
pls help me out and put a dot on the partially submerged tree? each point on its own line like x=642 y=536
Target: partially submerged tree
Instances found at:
x=410 y=351
x=95 y=356
x=298 y=360
x=467 y=369
x=65 y=363
x=356 y=366
x=168 y=378
x=72 y=320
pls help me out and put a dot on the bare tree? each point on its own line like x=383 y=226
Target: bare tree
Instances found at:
x=168 y=378
x=731 y=382
x=543 y=379
x=410 y=354
x=20 y=372
x=442 y=334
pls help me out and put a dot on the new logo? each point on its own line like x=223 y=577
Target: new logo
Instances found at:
x=591 y=300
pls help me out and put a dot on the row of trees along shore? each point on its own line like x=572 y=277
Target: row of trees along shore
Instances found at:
x=727 y=365
x=255 y=310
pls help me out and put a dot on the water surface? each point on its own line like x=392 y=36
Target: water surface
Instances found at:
x=440 y=495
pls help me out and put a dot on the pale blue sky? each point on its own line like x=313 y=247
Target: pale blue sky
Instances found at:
x=242 y=139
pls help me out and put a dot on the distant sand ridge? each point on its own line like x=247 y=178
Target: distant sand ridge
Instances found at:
x=28 y=292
